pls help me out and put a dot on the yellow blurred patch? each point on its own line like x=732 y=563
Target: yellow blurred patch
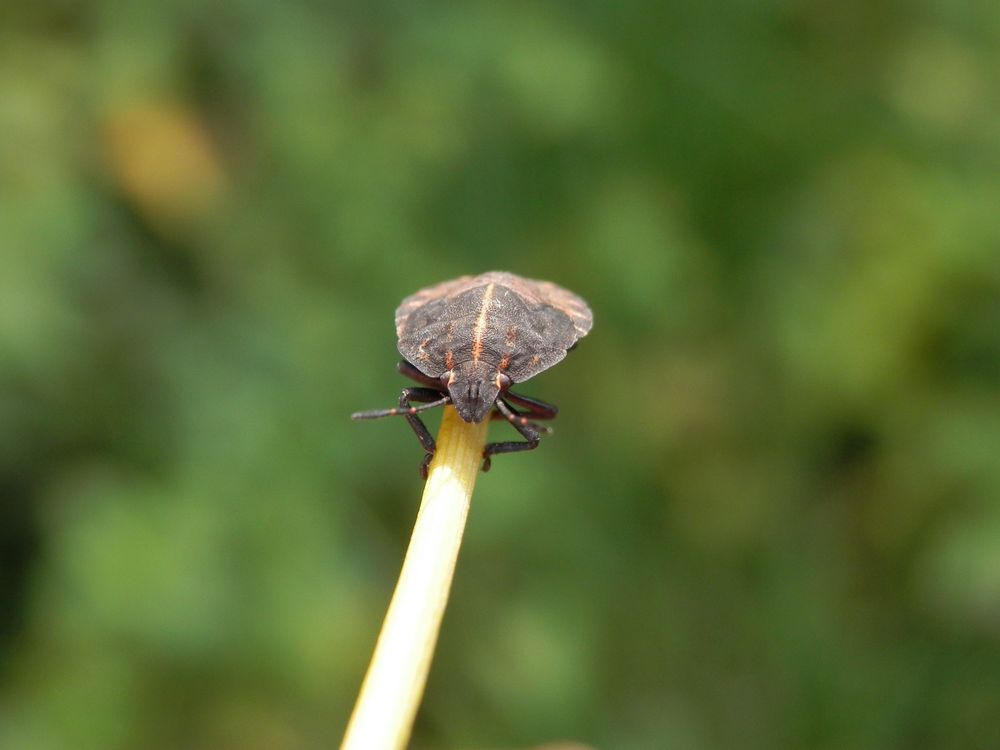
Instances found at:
x=163 y=159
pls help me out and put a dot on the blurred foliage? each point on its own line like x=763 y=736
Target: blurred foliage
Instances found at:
x=770 y=514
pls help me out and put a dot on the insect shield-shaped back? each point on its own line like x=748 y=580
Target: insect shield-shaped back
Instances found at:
x=479 y=334
x=467 y=341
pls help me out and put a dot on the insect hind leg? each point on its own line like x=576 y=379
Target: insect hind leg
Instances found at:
x=405 y=368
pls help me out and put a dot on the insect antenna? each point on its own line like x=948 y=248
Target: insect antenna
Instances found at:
x=400 y=411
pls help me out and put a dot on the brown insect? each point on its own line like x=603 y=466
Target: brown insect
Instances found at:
x=467 y=341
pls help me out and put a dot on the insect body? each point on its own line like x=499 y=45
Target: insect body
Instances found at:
x=467 y=341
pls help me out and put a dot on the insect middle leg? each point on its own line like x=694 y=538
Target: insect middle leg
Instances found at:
x=531 y=432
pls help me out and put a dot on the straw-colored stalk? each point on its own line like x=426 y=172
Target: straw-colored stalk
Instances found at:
x=390 y=695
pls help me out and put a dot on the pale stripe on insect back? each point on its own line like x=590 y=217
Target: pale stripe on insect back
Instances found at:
x=480 y=329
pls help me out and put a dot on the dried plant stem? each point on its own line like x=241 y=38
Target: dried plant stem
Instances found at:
x=391 y=692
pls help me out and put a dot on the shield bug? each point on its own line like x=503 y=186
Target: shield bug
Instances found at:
x=467 y=341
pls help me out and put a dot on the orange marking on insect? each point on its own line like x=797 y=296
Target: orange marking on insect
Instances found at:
x=523 y=420
x=480 y=327
x=511 y=335
x=413 y=410
x=504 y=363
x=535 y=360
x=449 y=361
x=422 y=353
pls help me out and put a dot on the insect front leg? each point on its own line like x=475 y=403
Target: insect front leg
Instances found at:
x=429 y=399
x=533 y=409
x=528 y=429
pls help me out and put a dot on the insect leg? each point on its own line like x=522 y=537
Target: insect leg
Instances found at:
x=432 y=398
x=405 y=368
x=520 y=423
x=535 y=409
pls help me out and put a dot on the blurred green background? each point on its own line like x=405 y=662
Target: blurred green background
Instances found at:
x=770 y=514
